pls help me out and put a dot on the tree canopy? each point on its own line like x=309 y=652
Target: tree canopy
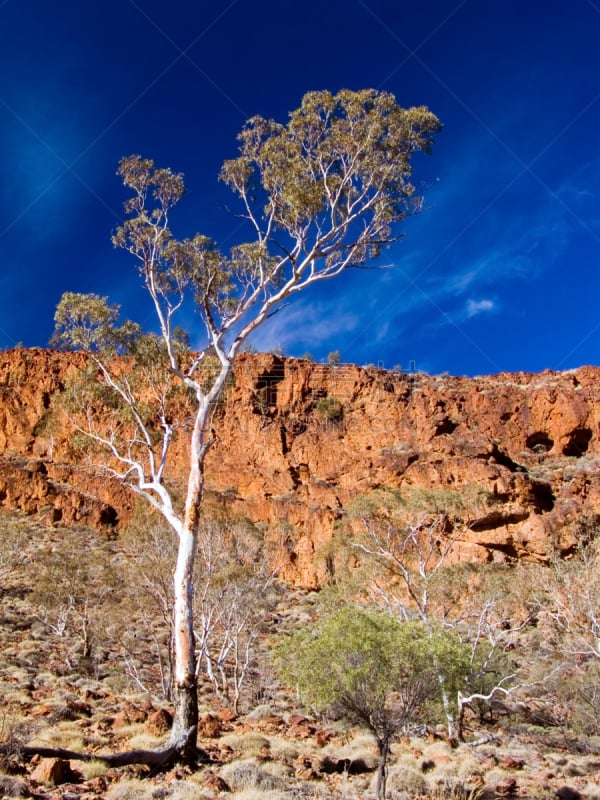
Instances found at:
x=319 y=194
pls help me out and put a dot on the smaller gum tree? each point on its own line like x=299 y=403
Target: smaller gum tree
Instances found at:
x=321 y=194
x=372 y=669
x=406 y=538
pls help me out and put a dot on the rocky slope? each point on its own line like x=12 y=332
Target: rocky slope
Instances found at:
x=295 y=441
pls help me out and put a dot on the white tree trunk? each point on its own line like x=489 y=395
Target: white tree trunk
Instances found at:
x=185 y=682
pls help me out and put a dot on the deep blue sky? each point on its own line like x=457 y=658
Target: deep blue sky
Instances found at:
x=500 y=272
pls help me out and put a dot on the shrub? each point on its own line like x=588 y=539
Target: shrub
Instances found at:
x=372 y=669
x=330 y=409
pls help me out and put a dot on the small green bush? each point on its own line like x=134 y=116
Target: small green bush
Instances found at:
x=330 y=409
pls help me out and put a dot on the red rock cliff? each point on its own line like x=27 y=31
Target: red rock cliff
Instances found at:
x=295 y=441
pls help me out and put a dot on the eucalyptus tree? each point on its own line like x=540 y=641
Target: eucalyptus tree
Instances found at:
x=407 y=538
x=320 y=194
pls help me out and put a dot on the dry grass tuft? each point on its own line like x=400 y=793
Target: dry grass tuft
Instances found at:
x=405 y=782
x=437 y=750
x=465 y=767
x=242 y=775
x=361 y=746
x=59 y=736
x=92 y=769
x=285 y=750
x=249 y=744
x=12 y=787
x=129 y=790
x=145 y=741
x=262 y=712
x=186 y=790
x=455 y=790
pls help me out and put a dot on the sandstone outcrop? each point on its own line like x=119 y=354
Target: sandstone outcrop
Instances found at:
x=294 y=442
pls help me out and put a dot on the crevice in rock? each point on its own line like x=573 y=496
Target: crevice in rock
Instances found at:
x=578 y=442
x=282 y=434
x=445 y=426
x=496 y=519
x=109 y=516
x=539 y=442
x=504 y=460
x=295 y=476
x=508 y=548
x=543 y=496
x=266 y=383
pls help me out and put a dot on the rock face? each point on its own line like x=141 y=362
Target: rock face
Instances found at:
x=295 y=441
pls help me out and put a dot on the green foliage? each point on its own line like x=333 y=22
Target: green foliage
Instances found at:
x=334 y=358
x=411 y=502
x=14 y=534
x=451 y=659
x=75 y=596
x=371 y=668
x=349 y=653
x=398 y=545
x=84 y=321
x=346 y=151
x=374 y=670
x=330 y=409
x=578 y=695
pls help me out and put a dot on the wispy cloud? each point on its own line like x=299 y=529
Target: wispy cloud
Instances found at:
x=475 y=307
x=306 y=325
x=579 y=190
